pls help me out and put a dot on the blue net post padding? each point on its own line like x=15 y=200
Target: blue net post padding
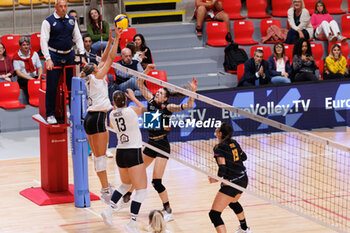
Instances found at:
x=79 y=143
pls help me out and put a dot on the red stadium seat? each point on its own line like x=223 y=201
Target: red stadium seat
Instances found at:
x=266 y=49
x=240 y=72
x=320 y=65
x=243 y=31
x=334 y=6
x=344 y=48
x=288 y=48
x=317 y=50
x=9 y=93
x=11 y=43
x=33 y=91
x=126 y=37
x=345 y=25
x=265 y=24
x=280 y=7
x=257 y=9
x=35 y=41
x=216 y=32
x=310 y=5
x=233 y=8
x=158 y=74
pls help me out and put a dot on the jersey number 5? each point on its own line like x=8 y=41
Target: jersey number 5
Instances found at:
x=120 y=124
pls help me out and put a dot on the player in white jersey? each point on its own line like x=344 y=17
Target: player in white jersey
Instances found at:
x=98 y=106
x=125 y=122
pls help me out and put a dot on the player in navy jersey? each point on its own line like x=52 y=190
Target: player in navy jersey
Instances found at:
x=229 y=157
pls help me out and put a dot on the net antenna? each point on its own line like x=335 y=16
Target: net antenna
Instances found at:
x=295 y=170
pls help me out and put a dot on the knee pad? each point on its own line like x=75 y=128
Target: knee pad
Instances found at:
x=140 y=195
x=157 y=184
x=215 y=218
x=236 y=207
x=100 y=163
x=124 y=188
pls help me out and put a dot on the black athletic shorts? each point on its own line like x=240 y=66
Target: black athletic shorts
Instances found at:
x=126 y=158
x=161 y=143
x=95 y=122
x=232 y=192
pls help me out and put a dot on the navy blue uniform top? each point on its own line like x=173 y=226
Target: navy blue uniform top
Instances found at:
x=61 y=32
x=164 y=117
x=234 y=157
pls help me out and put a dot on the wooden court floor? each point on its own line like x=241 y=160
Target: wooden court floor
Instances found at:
x=190 y=195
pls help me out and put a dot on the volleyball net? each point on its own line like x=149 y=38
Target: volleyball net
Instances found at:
x=295 y=170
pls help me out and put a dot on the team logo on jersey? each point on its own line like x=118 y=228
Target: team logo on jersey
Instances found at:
x=124 y=138
x=151 y=120
x=71 y=21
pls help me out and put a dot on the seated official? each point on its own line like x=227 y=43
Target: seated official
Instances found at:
x=255 y=71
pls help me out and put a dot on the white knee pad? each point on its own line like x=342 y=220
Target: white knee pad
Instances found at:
x=140 y=195
x=124 y=188
x=100 y=163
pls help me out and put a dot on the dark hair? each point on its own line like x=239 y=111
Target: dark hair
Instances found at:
x=298 y=47
x=131 y=45
x=119 y=98
x=324 y=8
x=143 y=42
x=72 y=11
x=283 y=50
x=258 y=51
x=96 y=28
x=86 y=35
x=87 y=70
x=226 y=131
x=4 y=49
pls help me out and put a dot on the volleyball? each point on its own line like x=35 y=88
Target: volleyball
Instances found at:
x=121 y=21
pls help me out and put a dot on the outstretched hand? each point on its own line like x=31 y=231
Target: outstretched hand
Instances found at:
x=149 y=68
x=110 y=38
x=117 y=31
x=130 y=94
x=193 y=84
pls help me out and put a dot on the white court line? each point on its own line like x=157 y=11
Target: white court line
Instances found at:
x=36 y=181
x=93 y=212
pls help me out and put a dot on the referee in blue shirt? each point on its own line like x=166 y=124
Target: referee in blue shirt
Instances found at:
x=57 y=34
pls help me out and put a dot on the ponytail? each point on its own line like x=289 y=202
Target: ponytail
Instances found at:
x=157 y=222
x=226 y=131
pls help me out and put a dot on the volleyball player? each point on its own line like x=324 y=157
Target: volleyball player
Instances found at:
x=158 y=138
x=125 y=122
x=229 y=157
x=98 y=105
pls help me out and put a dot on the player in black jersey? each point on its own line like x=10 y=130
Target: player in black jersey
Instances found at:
x=229 y=157
x=158 y=138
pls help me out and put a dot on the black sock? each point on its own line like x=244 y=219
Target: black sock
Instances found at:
x=126 y=197
x=166 y=206
x=116 y=196
x=243 y=224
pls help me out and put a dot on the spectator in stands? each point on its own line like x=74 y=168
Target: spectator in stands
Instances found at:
x=255 y=71
x=211 y=9
x=6 y=66
x=74 y=14
x=27 y=64
x=304 y=65
x=335 y=64
x=279 y=65
x=125 y=80
x=299 y=22
x=324 y=25
x=94 y=29
x=143 y=53
x=131 y=45
x=90 y=53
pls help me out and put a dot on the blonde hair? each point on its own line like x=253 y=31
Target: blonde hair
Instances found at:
x=157 y=223
x=302 y=4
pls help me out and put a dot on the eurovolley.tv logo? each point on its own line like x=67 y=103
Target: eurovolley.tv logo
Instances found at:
x=151 y=120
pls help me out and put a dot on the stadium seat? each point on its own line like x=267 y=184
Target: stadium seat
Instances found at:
x=280 y=7
x=334 y=6
x=266 y=49
x=288 y=48
x=344 y=48
x=28 y=2
x=265 y=24
x=257 y=9
x=158 y=74
x=75 y=0
x=345 y=25
x=9 y=93
x=310 y=5
x=243 y=31
x=233 y=8
x=33 y=91
x=8 y=3
x=11 y=43
x=126 y=37
x=317 y=50
x=240 y=72
x=35 y=41
x=216 y=32
x=320 y=65
x=47 y=1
